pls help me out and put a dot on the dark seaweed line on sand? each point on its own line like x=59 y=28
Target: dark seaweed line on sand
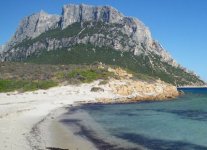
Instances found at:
x=98 y=142
x=55 y=148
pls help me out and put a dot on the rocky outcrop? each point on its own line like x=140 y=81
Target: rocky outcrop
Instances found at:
x=131 y=90
x=139 y=90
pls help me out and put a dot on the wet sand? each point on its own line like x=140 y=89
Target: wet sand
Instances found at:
x=82 y=125
x=57 y=135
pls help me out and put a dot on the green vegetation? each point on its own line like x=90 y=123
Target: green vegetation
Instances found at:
x=22 y=85
x=87 y=75
x=141 y=65
x=88 y=54
x=28 y=77
x=103 y=82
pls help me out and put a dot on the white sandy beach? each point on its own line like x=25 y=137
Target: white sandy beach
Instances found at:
x=20 y=112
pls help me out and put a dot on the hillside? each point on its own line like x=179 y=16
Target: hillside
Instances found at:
x=29 y=77
x=86 y=34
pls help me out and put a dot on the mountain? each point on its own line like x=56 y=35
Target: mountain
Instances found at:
x=88 y=34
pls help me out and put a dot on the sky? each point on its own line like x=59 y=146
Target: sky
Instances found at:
x=179 y=25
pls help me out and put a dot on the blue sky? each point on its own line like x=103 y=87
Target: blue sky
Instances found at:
x=179 y=25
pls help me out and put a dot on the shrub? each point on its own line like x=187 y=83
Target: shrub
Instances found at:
x=25 y=85
x=89 y=75
x=103 y=82
x=96 y=89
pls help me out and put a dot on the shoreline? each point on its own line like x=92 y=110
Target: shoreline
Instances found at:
x=20 y=113
x=58 y=136
x=61 y=131
x=88 y=128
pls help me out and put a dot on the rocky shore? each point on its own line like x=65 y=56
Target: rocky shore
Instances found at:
x=129 y=90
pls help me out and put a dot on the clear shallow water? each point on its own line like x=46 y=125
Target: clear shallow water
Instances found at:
x=171 y=125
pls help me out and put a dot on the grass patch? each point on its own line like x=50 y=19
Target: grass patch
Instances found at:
x=24 y=85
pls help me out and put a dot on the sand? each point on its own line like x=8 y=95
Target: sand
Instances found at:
x=53 y=133
x=20 y=114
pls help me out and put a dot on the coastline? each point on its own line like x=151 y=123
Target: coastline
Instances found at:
x=22 y=113
x=56 y=135
x=59 y=133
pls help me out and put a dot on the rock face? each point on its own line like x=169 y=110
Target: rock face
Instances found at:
x=86 y=13
x=82 y=13
x=1 y=48
x=32 y=26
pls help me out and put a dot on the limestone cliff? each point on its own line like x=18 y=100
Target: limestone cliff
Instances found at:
x=32 y=26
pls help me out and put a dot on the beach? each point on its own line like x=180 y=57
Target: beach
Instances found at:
x=57 y=135
x=26 y=118
x=21 y=112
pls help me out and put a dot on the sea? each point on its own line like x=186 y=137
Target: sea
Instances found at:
x=178 y=124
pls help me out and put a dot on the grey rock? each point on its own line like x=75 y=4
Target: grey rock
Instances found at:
x=1 y=48
x=32 y=26
x=82 y=13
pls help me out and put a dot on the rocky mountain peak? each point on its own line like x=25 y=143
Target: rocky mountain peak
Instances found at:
x=81 y=13
x=132 y=27
x=33 y=25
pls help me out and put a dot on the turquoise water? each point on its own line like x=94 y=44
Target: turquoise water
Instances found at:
x=180 y=124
